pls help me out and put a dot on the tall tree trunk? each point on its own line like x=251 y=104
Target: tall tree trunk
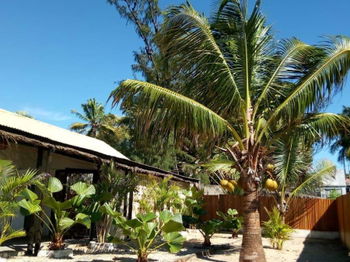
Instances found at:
x=252 y=248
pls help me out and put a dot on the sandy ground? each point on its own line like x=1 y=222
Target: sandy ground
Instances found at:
x=225 y=249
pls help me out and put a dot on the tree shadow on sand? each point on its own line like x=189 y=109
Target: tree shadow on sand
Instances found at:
x=320 y=250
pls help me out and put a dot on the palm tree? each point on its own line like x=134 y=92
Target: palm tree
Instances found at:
x=12 y=188
x=294 y=172
x=97 y=123
x=342 y=143
x=242 y=90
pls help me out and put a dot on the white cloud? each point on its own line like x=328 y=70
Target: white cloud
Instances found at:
x=40 y=113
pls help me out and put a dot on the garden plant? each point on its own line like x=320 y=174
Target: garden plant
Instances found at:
x=62 y=210
x=276 y=229
x=12 y=188
x=208 y=229
x=149 y=232
x=231 y=221
x=111 y=189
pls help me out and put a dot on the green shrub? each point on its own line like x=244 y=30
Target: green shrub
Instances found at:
x=231 y=221
x=62 y=211
x=208 y=229
x=161 y=195
x=149 y=232
x=12 y=186
x=276 y=229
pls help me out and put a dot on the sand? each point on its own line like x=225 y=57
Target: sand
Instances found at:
x=225 y=249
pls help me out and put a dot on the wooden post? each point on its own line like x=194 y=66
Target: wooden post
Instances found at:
x=32 y=225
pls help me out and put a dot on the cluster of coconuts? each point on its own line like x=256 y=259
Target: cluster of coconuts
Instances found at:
x=271 y=184
x=229 y=185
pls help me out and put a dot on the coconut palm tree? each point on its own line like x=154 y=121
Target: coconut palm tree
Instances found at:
x=295 y=172
x=242 y=90
x=96 y=122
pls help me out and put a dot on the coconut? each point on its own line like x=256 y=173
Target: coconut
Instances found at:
x=271 y=184
x=230 y=187
x=224 y=182
x=234 y=183
x=270 y=166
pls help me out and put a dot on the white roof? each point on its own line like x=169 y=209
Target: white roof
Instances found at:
x=56 y=134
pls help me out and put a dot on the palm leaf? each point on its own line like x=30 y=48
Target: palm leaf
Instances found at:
x=179 y=112
x=323 y=170
x=319 y=83
x=187 y=36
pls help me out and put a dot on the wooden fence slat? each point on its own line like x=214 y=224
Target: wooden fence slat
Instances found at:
x=303 y=213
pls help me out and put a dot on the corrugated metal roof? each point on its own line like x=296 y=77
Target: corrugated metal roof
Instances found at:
x=56 y=134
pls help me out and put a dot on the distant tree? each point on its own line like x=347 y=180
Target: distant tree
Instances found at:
x=145 y=15
x=24 y=113
x=96 y=123
x=342 y=143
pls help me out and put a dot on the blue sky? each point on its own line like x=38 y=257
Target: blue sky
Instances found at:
x=54 y=55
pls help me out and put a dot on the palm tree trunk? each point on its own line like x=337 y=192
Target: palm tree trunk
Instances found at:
x=252 y=248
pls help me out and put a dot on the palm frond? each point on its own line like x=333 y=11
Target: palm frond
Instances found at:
x=187 y=36
x=323 y=126
x=178 y=112
x=290 y=55
x=323 y=170
x=319 y=83
x=79 y=127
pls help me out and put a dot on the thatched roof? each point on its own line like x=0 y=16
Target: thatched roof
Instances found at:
x=21 y=129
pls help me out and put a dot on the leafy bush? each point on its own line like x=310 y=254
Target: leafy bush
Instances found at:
x=208 y=229
x=12 y=185
x=231 y=221
x=62 y=211
x=193 y=206
x=276 y=229
x=149 y=232
x=111 y=189
x=160 y=195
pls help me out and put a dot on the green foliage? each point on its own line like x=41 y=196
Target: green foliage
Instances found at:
x=295 y=171
x=334 y=194
x=192 y=206
x=111 y=189
x=342 y=142
x=65 y=213
x=149 y=232
x=231 y=221
x=13 y=187
x=208 y=229
x=276 y=229
x=160 y=195
x=97 y=123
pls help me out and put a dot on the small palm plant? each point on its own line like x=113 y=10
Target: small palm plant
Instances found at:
x=12 y=185
x=62 y=211
x=276 y=229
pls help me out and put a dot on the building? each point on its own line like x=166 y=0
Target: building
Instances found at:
x=33 y=144
x=336 y=184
